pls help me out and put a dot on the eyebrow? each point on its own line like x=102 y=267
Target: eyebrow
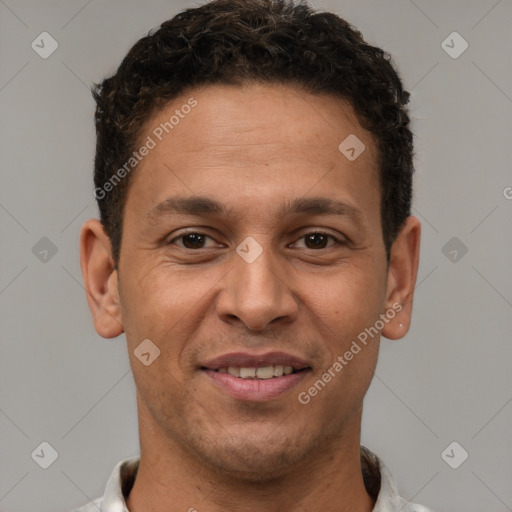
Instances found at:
x=207 y=206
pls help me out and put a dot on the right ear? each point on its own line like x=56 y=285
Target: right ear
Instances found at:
x=100 y=279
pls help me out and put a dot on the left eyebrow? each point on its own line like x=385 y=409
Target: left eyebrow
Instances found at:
x=321 y=206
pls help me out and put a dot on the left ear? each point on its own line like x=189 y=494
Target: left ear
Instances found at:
x=402 y=273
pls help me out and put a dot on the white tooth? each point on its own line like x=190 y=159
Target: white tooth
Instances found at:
x=234 y=371
x=287 y=370
x=267 y=372
x=223 y=370
x=247 y=372
x=278 y=370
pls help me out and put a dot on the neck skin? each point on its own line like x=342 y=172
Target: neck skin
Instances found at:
x=169 y=479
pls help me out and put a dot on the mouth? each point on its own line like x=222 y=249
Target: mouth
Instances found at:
x=256 y=377
x=260 y=373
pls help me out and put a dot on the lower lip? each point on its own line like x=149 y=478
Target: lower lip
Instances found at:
x=256 y=390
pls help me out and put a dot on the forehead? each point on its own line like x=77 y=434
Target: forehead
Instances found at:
x=259 y=138
x=253 y=115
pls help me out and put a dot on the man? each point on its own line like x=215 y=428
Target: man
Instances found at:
x=253 y=174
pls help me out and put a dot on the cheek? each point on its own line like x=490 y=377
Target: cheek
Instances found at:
x=165 y=306
x=353 y=301
x=348 y=300
x=152 y=306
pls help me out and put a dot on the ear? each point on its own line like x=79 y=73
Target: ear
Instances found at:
x=402 y=273
x=100 y=279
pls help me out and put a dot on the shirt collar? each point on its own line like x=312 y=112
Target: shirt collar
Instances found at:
x=381 y=485
x=377 y=478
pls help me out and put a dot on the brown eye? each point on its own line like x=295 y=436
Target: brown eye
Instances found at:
x=191 y=240
x=316 y=241
x=319 y=240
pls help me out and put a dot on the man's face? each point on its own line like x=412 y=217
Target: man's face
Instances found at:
x=319 y=281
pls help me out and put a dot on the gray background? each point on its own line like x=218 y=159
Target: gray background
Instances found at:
x=448 y=380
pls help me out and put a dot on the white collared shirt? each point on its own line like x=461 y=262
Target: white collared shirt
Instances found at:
x=377 y=478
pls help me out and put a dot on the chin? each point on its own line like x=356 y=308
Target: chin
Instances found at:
x=259 y=466
x=255 y=458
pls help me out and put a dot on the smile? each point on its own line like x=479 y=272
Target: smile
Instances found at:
x=263 y=373
x=255 y=377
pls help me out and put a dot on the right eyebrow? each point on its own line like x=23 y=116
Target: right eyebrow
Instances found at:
x=194 y=205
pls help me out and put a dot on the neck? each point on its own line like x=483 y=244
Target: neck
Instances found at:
x=170 y=479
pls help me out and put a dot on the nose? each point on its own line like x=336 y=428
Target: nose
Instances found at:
x=257 y=293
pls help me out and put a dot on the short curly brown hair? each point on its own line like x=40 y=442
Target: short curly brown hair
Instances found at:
x=243 y=41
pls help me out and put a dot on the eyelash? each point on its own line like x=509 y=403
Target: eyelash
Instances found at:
x=317 y=232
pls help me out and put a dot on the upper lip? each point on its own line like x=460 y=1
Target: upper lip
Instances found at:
x=247 y=360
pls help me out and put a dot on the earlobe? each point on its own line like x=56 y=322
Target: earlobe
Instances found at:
x=100 y=279
x=402 y=274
